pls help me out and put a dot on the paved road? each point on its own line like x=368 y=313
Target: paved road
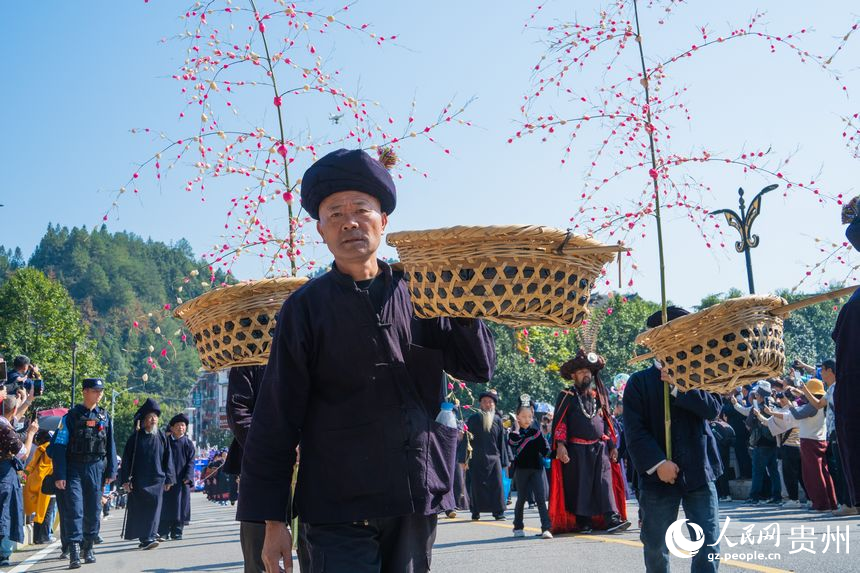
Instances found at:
x=211 y=544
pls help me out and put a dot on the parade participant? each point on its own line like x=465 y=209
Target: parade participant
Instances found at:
x=243 y=387
x=529 y=450
x=146 y=473
x=689 y=476
x=846 y=335
x=356 y=377
x=461 y=490
x=36 y=502
x=489 y=456
x=176 y=505
x=587 y=484
x=12 y=454
x=84 y=456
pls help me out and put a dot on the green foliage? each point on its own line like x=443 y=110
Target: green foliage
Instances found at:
x=118 y=279
x=39 y=318
x=515 y=375
x=10 y=261
x=807 y=331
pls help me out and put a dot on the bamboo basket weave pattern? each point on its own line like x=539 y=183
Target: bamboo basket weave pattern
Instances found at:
x=515 y=275
x=234 y=325
x=736 y=342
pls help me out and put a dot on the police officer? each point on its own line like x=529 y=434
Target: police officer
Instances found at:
x=84 y=458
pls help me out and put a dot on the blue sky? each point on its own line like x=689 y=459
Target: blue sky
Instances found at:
x=79 y=76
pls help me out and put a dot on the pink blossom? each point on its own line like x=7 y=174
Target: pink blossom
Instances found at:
x=277 y=101
x=135 y=324
x=450 y=386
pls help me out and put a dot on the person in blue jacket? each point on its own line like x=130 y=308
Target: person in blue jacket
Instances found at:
x=687 y=478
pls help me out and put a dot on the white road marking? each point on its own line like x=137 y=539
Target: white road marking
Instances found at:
x=35 y=558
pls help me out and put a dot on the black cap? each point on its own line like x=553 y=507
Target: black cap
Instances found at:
x=672 y=313
x=347 y=170
x=180 y=417
x=149 y=406
x=93 y=384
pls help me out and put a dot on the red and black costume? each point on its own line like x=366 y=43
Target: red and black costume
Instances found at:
x=588 y=491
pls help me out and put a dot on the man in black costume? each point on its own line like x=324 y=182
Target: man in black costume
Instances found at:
x=357 y=379
x=489 y=457
x=146 y=473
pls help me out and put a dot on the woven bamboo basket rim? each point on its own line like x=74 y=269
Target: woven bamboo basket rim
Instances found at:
x=244 y=291
x=722 y=314
x=686 y=328
x=536 y=234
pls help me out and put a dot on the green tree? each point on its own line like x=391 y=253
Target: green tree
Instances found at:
x=39 y=318
x=807 y=331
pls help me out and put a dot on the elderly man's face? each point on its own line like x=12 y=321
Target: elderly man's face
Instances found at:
x=351 y=224
x=487 y=404
x=150 y=421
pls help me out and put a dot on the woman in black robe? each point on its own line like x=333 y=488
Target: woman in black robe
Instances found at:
x=146 y=473
x=176 y=506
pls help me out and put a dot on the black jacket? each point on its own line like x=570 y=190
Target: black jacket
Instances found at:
x=694 y=448
x=243 y=386
x=359 y=391
x=529 y=448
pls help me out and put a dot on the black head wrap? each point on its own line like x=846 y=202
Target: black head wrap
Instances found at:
x=178 y=418
x=347 y=170
x=672 y=312
x=149 y=406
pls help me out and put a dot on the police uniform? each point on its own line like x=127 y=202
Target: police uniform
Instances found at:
x=84 y=456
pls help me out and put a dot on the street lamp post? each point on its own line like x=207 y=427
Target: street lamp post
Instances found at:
x=74 y=370
x=743 y=223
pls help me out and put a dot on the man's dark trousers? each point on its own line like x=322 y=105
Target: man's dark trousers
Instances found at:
x=385 y=545
x=83 y=500
x=659 y=504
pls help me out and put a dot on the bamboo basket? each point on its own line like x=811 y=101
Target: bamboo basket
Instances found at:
x=736 y=342
x=233 y=326
x=515 y=275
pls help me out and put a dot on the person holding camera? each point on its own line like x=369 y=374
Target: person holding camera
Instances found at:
x=764 y=451
x=13 y=452
x=84 y=454
x=24 y=374
x=784 y=427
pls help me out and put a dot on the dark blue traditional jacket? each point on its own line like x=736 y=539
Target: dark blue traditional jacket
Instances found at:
x=359 y=390
x=694 y=448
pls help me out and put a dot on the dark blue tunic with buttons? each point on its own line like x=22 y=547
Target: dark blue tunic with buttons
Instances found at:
x=176 y=505
x=359 y=389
